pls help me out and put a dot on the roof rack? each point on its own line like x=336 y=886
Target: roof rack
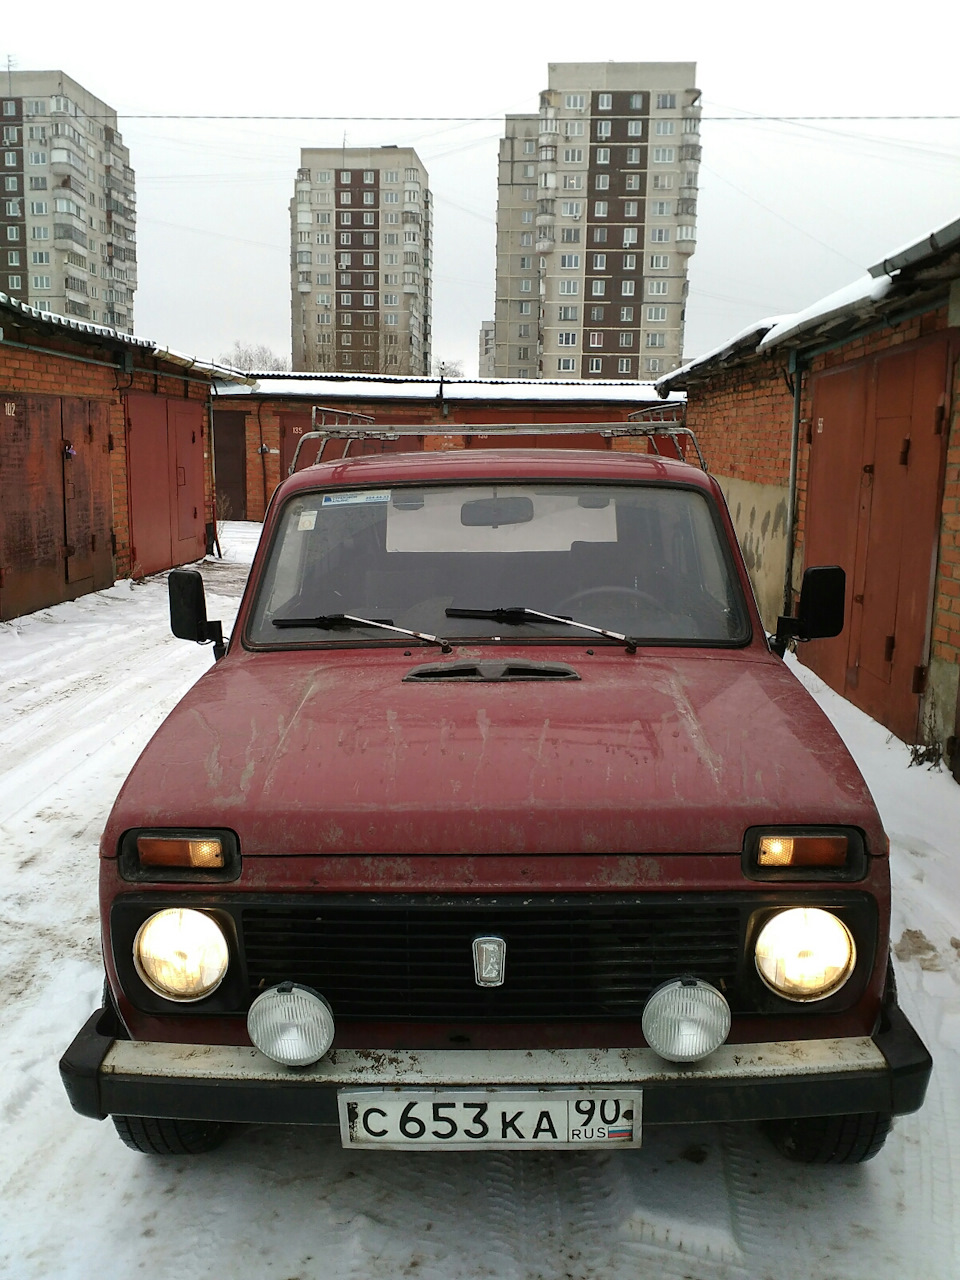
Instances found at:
x=359 y=427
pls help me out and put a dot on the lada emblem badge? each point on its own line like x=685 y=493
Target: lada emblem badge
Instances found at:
x=489 y=961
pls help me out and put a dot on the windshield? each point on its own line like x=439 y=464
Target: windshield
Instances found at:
x=645 y=560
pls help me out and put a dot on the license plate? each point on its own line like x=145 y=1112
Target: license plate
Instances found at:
x=463 y=1120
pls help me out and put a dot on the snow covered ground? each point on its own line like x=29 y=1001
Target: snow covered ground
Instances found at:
x=82 y=686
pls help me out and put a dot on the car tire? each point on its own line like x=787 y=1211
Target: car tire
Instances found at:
x=830 y=1139
x=160 y=1137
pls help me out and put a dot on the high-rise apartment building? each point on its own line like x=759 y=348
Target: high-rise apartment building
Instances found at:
x=68 y=213
x=360 y=227
x=596 y=220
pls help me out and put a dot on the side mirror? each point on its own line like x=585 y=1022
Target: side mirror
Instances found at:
x=188 y=610
x=820 y=611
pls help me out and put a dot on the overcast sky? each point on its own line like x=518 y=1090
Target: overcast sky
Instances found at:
x=787 y=212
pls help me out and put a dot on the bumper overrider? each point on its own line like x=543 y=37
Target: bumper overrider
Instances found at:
x=887 y=1072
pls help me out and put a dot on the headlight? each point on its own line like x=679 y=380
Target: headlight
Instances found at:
x=805 y=953
x=181 y=954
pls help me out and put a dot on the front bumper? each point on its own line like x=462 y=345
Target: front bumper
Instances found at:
x=887 y=1072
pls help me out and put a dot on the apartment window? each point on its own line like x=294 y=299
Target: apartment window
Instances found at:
x=36 y=107
x=391 y=217
x=624 y=364
x=523 y=353
x=600 y=208
x=569 y=286
x=389 y=197
x=369 y=260
x=323 y=277
x=41 y=282
x=369 y=277
x=526 y=264
x=39 y=233
x=596 y=314
x=10 y=133
x=369 y=220
x=526 y=215
x=603 y=182
x=322 y=176
x=42 y=304
x=628 y=288
x=598 y=288
x=11 y=184
x=346 y=177
x=596 y=364
x=526 y=239
x=603 y=155
x=346 y=299
x=526 y=286
x=632 y=182
x=346 y=319
x=569 y=261
x=657 y=287
x=346 y=197
x=568 y=313
x=529 y=147
x=369 y=197
x=636 y=102
x=574 y=101
x=391 y=299
x=596 y=339
x=323 y=219
x=566 y=364
x=391 y=318
x=626 y=339
x=599 y=262
x=664 y=155
x=662 y=181
x=525 y=307
x=604 y=101
x=391 y=237
x=346 y=339
x=666 y=101
x=630 y=235
x=324 y=318
x=12 y=208
x=660 y=235
x=571 y=155
x=570 y=208
x=626 y=315
x=656 y=313
x=323 y=299
x=346 y=219
x=654 y=364
x=566 y=339
x=9 y=107
x=662 y=208
x=37 y=157
x=523 y=331
x=345 y=237
x=528 y=171
x=10 y=159
x=572 y=181
x=659 y=261
x=629 y=262
x=369 y=176
x=569 y=235
x=656 y=339
x=391 y=175
x=634 y=128
x=664 y=128
x=686 y=233
x=369 y=299
x=13 y=257
x=14 y=282
x=600 y=235
x=631 y=209
x=604 y=128
x=691 y=125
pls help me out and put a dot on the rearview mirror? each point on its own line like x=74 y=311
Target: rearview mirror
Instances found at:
x=820 y=613
x=490 y=513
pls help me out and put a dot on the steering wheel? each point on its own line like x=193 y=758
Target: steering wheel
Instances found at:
x=632 y=593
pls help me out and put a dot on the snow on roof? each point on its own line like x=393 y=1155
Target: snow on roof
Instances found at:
x=865 y=291
x=746 y=337
x=81 y=329
x=360 y=387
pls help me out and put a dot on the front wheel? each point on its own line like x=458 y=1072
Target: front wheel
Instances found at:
x=830 y=1139
x=160 y=1137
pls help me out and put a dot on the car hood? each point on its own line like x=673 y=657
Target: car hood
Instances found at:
x=331 y=752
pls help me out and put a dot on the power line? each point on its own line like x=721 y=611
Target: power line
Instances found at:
x=743 y=119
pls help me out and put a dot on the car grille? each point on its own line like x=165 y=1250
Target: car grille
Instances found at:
x=585 y=959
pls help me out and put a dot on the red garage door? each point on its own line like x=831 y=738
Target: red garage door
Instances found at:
x=165 y=477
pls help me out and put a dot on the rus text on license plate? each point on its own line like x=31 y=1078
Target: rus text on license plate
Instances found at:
x=462 y=1120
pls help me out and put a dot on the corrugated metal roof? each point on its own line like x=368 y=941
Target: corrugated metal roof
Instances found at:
x=98 y=334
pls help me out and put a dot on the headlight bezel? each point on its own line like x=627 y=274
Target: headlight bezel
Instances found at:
x=854 y=868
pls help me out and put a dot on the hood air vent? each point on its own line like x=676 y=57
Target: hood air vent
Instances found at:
x=518 y=669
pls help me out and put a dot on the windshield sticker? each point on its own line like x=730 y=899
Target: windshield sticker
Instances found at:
x=308 y=520
x=356 y=498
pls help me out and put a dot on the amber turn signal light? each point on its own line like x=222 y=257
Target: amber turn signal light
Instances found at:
x=157 y=852
x=802 y=851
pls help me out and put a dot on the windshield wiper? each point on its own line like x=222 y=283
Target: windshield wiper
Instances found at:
x=335 y=621
x=517 y=615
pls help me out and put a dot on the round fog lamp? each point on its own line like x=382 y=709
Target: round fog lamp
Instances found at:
x=685 y=1019
x=805 y=953
x=291 y=1024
